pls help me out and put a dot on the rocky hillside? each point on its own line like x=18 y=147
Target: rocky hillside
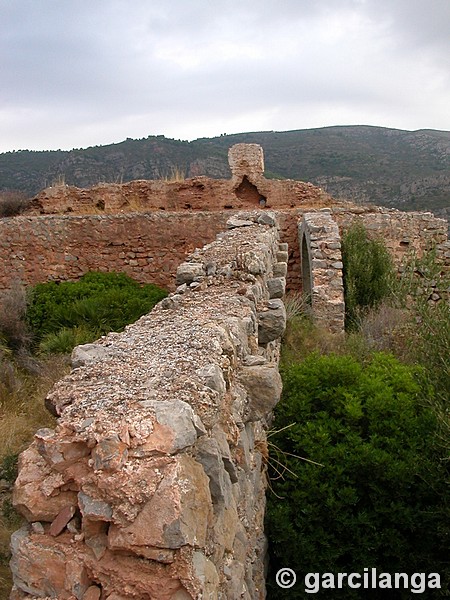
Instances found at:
x=405 y=169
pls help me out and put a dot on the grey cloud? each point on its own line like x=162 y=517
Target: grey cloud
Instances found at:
x=113 y=65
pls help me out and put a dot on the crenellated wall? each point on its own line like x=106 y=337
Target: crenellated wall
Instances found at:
x=152 y=486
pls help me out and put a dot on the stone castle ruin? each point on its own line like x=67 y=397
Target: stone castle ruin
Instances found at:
x=152 y=485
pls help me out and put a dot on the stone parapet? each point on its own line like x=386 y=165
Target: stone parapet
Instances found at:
x=152 y=485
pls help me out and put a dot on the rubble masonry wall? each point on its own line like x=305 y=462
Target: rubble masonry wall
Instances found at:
x=152 y=485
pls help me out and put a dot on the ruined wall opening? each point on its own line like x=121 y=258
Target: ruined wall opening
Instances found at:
x=248 y=192
x=306 y=271
x=320 y=248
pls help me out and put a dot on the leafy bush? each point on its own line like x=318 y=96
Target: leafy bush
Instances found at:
x=85 y=309
x=380 y=499
x=8 y=467
x=66 y=338
x=367 y=272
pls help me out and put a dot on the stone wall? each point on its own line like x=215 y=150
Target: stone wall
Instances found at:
x=148 y=247
x=320 y=246
x=152 y=486
x=145 y=228
x=403 y=232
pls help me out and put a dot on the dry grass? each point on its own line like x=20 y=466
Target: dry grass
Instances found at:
x=385 y=328
x=22 y=412
x=176 y=175
x=296 y=305
x=13 y=203
x=22 y=408
x=303 y=336
x=14 y=332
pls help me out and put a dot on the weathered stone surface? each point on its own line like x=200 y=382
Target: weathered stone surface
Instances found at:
x=206 y=573
x=267 y=218
x=187 y=272
x=271 y=323
x=58 y=453
x=94 y=509
x=110 y=453
x=263 y=385
x=276 y=287
x=61 y=520
x=210 y=457
x=49 y=574
x=280 y=269
x=92 y=593
x=37 y=492
x=184 y=512
x=175 y=427
x=322 y=269
x=213 y=377
x=246 y=159
x=87 y=353
x=234 y=222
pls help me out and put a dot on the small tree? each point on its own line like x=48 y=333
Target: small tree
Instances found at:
x=368 y=272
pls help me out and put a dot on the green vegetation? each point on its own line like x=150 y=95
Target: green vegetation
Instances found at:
x=62 y=315
x=368 y=273
x=379 y=495
x=359 y=453
x=36 y=333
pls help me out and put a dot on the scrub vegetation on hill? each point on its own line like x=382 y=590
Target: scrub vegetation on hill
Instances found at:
x=406 y=169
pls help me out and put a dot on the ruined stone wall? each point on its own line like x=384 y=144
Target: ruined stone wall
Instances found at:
x=322 y=282
x=403 y=232
x=144 y=228
x=152 y=486
x=148 y=247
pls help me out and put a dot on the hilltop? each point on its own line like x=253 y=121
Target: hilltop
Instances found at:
x=405 y=169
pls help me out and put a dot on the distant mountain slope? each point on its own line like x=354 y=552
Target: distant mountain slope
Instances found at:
x=406 y=169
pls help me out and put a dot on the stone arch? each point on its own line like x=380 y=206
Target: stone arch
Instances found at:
x=320 y=249
x=306 y=268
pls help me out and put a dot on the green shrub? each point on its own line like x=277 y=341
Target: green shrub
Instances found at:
x=66 y=338
x=88 y=308
x=8 y=467
x=380 y=499
x=367 y=272
x=429 y=328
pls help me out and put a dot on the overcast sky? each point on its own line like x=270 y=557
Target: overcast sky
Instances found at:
x=75 y=73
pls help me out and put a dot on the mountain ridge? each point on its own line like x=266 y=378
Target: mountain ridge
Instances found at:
x=363 y=163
